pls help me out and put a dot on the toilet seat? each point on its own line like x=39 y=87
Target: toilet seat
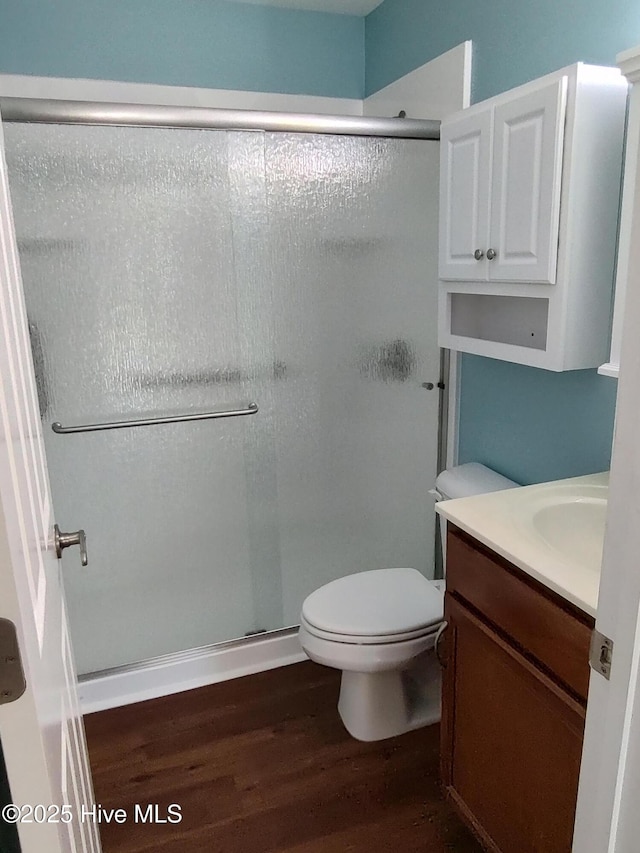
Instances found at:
x=374 y=607
x=371 y=639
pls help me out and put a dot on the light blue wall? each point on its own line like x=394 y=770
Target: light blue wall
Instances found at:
x=531 y=425
x=209 y=43
x=513 y=40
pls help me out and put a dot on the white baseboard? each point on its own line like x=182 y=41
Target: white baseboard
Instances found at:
x=187 y=670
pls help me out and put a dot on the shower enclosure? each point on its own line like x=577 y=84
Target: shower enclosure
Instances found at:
x=288 y=277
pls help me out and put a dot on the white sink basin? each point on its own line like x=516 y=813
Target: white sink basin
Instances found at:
x=569 y=519
x=553 y=531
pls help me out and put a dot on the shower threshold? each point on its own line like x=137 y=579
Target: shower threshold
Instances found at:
x=186 y=670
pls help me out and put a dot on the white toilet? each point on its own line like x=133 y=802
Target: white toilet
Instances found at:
x=380 y=628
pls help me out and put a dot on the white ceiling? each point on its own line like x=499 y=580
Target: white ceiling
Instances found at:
x=342 y=7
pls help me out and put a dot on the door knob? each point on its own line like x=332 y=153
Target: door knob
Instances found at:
x=491 y=254
x=66 y=540
x=478 y=254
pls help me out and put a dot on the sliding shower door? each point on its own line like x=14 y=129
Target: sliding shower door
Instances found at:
x=353 y=237
x=177 y=271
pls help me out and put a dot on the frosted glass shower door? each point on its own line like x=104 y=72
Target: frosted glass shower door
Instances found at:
x=126 y=241
x=169 y=271
x=353 y=240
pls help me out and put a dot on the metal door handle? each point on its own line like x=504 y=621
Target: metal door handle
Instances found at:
x=491 y=254
x=478 y=254
x=66 y=540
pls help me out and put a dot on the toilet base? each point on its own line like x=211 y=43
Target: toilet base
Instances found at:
x=379 y=705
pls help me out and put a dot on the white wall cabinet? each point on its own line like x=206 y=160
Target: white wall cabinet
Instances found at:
x=529 y=195
x=501 y=199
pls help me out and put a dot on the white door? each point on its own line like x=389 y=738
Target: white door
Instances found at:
x=41 y=732
x=608 y=817
x=528 y=136
x=465 y=176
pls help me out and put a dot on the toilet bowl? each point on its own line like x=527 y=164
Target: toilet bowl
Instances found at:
x=379 y=627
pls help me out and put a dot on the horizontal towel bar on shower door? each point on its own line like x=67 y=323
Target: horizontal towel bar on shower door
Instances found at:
x=251 y=409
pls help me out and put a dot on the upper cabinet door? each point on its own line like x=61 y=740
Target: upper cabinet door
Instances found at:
x=528 y=136
x=465 y=178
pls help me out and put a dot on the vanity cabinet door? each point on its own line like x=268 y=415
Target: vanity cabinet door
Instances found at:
x=465 y=179
x=512 y=741
x=528 y=137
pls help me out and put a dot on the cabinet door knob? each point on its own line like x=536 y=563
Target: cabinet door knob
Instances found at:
x=491 y=254
x=478 y=254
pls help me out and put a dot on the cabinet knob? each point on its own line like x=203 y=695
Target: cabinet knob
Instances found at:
x=491 y=254
x=478 y=254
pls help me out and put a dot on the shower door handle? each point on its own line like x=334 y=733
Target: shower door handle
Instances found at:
x=66 y=540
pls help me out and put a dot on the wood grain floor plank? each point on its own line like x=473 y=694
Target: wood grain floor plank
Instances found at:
x=263 y=764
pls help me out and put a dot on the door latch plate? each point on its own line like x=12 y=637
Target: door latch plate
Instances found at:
x=601 y=653
x=12 y=680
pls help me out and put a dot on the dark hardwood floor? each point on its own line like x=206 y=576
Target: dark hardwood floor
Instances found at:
x=263 y=764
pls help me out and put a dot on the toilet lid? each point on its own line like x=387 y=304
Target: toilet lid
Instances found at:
x=375 y=603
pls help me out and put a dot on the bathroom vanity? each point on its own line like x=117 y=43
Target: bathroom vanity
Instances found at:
x=516 y=657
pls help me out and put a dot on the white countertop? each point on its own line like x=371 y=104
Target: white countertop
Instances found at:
x=508 y=522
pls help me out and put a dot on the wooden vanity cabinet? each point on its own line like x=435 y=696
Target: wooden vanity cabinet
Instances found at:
x=514 y=701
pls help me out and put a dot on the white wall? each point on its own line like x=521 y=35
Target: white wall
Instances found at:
x=433 y=90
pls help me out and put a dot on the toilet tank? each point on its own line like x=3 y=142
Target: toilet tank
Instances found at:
x=463 y=481
x=472 y=478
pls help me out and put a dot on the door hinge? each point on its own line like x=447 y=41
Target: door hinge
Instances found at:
x=601 y=653
x=12 y=680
